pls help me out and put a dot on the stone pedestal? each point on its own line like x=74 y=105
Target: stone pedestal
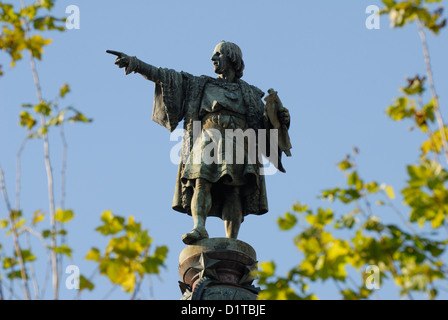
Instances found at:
x=218 y=269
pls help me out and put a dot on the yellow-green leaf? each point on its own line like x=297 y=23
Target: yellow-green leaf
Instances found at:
x=390 y=192
x=84 y=284
x=93 y=255
x=37 y=217
x=3 y=223
x=268 y=268
x=63 y=216
x=64 y=249
x=438 y=219
x=64 y=90
x=287 y=222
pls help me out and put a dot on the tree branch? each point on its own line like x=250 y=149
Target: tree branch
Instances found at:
x=18 y=251
x=54 y=262
x=435 y=97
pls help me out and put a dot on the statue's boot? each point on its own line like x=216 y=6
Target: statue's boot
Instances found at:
x=195 y=235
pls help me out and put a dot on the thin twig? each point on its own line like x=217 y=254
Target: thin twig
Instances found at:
x=136 y=290
x=1 y=280
x=4 y=191
x=63 y=177
x=151 y=289
x=435 y=97
x=110 y=292
x=11 y=292
x=18 y=172
x=47 y=278
x=36 y=234
x=55 y=278
x=337 y=285
x=18 y=251
x=399 y=214
x=33 y=271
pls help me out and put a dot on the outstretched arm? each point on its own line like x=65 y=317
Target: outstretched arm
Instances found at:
x=134 y=65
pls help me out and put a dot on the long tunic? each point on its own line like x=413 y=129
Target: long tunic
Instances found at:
x=217 y=105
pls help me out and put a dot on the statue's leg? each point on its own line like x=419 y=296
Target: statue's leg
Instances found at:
x=232 y=213
x=201 y=204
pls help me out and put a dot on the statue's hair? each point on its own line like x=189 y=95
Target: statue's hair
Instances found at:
x=235 y=56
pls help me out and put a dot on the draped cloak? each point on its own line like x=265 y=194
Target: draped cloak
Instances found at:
x=178 y=97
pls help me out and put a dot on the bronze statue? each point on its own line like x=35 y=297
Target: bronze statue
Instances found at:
x=227 y=189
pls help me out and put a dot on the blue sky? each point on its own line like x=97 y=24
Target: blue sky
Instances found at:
x=335 y=76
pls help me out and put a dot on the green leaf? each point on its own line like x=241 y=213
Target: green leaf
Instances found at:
x=15 y=275
x=3 y=223
x=438 y=220
x=64 y=90
x=29 y=12
x=28 y=256
x=46 y=233
x=401 y=109
x=27 y=120
x=47 y=4
x=390 y=192
x=331 y=194
x=349 y=195
x=297 y=207
x=124 y=247
x=112 y=224
x=415 y=85
x=287 y=222
x=347 y=221
x=268 y=268
x=85 y=284
x=132 y=227
x=63 y=216
x=119 y=273
x=19 y=223
x=151 y=265
x=35 y=45
x=15 y=214
x=372 y=187
x=79 y=117
x=9 y=262
x=93 y=255
x=345 y=165
x=354 y=180
x=64 y=249
x=43 y=108
x=321 y=219
x=48 y=23
x=37 y=217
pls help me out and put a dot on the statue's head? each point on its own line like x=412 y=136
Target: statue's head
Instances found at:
x=228 y=55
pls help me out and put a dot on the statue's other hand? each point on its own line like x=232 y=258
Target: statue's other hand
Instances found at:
x=284 y=117
x=124 y=61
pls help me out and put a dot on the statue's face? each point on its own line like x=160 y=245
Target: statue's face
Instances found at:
x=220 y=60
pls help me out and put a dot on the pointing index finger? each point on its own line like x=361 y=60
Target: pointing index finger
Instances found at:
x=116 y=53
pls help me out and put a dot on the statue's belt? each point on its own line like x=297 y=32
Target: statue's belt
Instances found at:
x=224 y=120
x=224 y=113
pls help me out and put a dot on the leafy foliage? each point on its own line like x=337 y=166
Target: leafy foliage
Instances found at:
x=404 y=12
x=17 y=24
x=412 y=259
x=126 y=259
x=414 y=262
